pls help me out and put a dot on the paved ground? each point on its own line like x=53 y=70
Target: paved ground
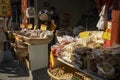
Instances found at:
x=40 y=74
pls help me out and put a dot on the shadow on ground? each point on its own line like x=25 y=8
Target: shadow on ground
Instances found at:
x=41 y=74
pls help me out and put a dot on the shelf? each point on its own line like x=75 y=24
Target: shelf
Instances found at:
x=87 y=72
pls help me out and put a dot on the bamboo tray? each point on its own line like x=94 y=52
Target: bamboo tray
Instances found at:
x=35 y=41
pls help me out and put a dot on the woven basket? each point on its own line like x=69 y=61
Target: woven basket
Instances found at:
x=59 y=64
x=22 y=51
x=56 y=78
x=37 y=40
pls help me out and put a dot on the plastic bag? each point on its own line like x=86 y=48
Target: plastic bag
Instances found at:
x=101 y=22
x=30 y=12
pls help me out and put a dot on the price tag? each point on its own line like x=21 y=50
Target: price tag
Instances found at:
x=85 y=34
x=22 y=26
x=43 y=27
x=35 y=27
x=107 y=35
x=29 y=26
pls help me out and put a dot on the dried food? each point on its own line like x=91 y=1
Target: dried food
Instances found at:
x=105 y=70
x=62 y=72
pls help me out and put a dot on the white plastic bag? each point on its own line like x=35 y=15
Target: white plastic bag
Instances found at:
x=101 y=22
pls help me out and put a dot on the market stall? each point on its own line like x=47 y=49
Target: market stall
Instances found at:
x=88 y=55
x=94 y=54
x=37 y=46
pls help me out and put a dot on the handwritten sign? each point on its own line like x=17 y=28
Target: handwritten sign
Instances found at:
x=43 y=27
x=5 y=8
x=106 y=35
x=84 y=34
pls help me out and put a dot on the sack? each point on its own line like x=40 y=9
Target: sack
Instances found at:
x=30 y=12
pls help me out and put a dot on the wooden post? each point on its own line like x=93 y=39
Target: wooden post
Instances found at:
x=24 y=7
x=115 y=32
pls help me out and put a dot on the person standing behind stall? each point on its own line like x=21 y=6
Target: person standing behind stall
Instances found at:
x=54 y=16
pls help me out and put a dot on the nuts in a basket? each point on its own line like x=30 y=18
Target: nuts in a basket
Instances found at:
x=62 y=72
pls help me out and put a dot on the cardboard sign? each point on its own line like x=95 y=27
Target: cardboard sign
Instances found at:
x=85 y=34
x=22 y=26
x=29 y=26
x=43 y=27
x=5 y=8
x=35 y=27
x=106 y=35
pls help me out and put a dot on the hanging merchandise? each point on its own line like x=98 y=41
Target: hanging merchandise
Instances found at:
x=30 y=12
x=44 y=15
x=5 y=8
x=101 y=22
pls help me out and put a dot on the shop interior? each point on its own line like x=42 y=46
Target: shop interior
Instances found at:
x=33 y=46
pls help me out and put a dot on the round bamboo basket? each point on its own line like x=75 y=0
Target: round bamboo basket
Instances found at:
x=56 y=78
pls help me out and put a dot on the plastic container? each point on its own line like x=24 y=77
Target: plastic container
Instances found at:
x=105 y=70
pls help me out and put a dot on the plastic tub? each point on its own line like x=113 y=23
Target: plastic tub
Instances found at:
x=105 y=70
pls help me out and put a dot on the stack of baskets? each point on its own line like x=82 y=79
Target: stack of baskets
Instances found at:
x=21 y=50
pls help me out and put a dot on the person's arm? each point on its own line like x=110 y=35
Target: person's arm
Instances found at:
x=53 y=26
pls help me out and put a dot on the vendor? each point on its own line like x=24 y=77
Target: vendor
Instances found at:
x=47 y=23
x=54 y=16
